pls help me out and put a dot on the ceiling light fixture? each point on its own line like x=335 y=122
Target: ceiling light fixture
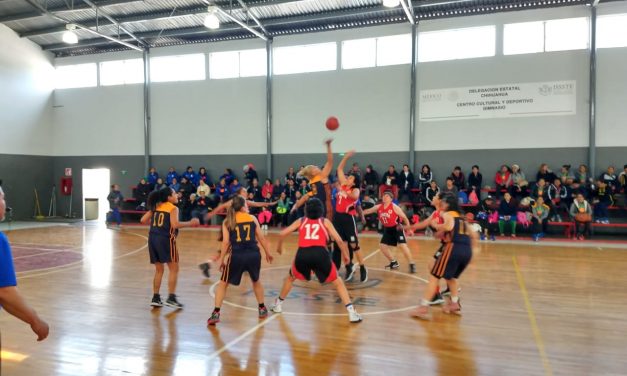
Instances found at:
x=211 y=20
x=391 y=3
x=69 y=36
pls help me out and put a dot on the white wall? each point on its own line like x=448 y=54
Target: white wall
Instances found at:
x=228 y=116
x=507 y=133
x=611 y=89
x=25 y=92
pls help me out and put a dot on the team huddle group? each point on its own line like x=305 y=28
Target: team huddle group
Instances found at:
x=327 y=237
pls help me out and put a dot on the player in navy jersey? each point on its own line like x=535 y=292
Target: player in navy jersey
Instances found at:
x=391 y=216
x=314 y=232
x=346 y=200
x=163 y=217
x=205 y=267
x=240 y=253
x=460 y=243
x=319 y=186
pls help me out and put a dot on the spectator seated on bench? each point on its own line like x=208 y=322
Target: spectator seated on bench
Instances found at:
x=140 y=194
x=581 y=214
x=389 y=182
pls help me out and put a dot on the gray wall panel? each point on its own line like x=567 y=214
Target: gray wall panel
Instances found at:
x=133 y=165
x=529 y=160
x=21 y=175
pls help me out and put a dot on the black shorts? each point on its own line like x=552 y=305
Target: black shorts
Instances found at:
x=452 y=261
x=239 y=262
x=162 y=249
x=393 y=236
x=345 y=226
x=313 y=259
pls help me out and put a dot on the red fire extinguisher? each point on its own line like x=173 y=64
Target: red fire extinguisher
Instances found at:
x=66 y=186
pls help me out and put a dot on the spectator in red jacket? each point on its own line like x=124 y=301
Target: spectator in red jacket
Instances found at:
x=503 y=180
x=266 y=188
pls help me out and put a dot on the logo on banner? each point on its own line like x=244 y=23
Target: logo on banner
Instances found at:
x=545 y=90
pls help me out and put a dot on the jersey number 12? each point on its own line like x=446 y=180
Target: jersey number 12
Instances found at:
x=311 y=231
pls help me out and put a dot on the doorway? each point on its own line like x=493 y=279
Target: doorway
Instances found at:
x=96 y=185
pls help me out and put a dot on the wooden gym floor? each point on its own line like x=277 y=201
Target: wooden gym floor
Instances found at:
x=528 y=310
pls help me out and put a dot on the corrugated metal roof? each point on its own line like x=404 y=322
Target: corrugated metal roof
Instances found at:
x=170 y=22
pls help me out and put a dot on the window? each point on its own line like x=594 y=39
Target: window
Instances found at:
x=612 y=31
x=75 y=76
x=233 y=64
x=523 y=38
x=360 y=53
x=566 y=34
x=224 y=64
x=393 y=50
x=253 y=63
x=306 y=58
x=457 y=44
x=177 y=68
x=121 y=72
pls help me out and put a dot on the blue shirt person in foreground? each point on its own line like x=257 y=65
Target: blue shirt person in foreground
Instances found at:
x=10 y=298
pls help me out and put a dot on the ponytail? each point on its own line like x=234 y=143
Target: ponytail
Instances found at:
x=157 y=197
x=237 y=204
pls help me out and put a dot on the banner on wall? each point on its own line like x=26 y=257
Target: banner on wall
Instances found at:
x=555 y=98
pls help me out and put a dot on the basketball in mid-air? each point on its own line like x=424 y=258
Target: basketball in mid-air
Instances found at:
x=332 y=123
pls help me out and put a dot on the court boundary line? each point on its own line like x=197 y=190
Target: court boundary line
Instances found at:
x=242 y=336
x=532 y=319
x=45 y=253
x=74 y=265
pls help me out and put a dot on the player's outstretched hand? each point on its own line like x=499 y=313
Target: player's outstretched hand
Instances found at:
x=195 y=222
x=269 y=258
x=349 y=154
x=328 y=141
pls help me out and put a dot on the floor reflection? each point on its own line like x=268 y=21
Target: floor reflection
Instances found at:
x=230 y=364
x=446 y=340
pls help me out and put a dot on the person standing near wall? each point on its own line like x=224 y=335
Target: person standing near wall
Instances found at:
x=10 y=298
x=115 y=199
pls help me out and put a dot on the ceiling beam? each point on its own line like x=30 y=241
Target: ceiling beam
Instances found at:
x=325 y=16
x=143 y=17
x=112 y=20
x=37 y=6
x=77 y=6
x=254 y=18
x=201 y=30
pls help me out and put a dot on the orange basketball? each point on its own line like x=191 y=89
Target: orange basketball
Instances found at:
x=470 y=216
x=332 y=123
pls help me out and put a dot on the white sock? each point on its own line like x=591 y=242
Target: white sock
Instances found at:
x=455 y=299
x=350 y=308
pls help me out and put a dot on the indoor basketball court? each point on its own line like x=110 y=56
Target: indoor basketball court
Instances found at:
x=134 y=132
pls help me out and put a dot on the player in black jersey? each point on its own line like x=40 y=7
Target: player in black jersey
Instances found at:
x=460 y=243
x=240 y=253
x=163 y=217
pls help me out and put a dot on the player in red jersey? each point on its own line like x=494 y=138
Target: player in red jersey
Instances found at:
x=344 y=220
x=391 y=215
x=313 y=234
